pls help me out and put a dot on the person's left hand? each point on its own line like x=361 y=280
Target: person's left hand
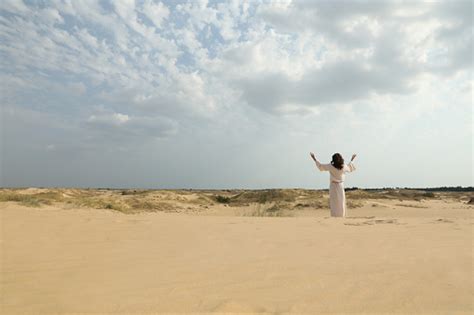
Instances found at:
x=312 y=155
x=353 y=157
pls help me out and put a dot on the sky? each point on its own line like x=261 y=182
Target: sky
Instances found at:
x=235 y=94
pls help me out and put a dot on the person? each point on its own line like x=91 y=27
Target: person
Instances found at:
x=337 y=169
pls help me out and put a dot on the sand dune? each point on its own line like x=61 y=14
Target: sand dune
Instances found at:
x=408 y=254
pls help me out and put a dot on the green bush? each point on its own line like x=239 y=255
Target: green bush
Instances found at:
x=222 y=199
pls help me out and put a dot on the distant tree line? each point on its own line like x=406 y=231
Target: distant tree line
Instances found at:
x=443 y=188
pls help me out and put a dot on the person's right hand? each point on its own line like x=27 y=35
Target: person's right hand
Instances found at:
x=353 y=157
x=312 y=155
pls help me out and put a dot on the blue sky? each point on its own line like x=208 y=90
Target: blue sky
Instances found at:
x=234 y=94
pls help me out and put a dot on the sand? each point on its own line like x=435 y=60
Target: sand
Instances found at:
x=387 y=257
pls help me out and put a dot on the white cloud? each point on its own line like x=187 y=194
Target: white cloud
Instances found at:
x=308 y=53
x=106 y=126
x=116 y=119
x=157 y=13
x=162 y=69
x=15 y=7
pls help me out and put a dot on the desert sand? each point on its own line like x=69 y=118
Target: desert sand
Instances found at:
x=129 y=251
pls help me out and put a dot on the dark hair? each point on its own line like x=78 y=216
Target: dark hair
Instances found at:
x=337 y=161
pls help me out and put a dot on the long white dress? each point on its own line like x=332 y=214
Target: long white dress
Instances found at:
x=337 y=196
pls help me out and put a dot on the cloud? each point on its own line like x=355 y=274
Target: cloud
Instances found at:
x=115 y=119
x=336 y=82
x=156 y=12
x=165 y=58
x=348 y=24
x=303 y=45
x=363 y=48
x=125 y=73
x=111 y=126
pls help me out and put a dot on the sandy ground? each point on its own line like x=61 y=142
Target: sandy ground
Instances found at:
x=386 y=257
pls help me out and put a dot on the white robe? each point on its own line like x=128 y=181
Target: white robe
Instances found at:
x=337 y=196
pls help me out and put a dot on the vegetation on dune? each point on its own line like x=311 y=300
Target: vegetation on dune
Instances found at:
x=263 y=196
x=26 y=200
x=31 y=200
x=96 y=203
x=354 y=203
x=265 y=202
x=85 y=198
x=272 y=210
x=124 y=205
x=202 y=200
x=135 y=192
x=415 y=195
x=222 y=199
x=266 y=195
x=432 y=189
x=137 y=204
x=312 y=204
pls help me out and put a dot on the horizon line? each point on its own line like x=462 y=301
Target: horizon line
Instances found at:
x=468 y=188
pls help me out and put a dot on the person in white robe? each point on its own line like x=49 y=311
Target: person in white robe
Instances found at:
x=337 y=170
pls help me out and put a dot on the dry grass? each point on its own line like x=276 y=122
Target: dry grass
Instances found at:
x=138 y=205
x=31 y=200
x=309 y=204
x=268 y=210
x=400 y=194
x=354 y=203
x=97 y=203
x=265 y=196
x=265 y=202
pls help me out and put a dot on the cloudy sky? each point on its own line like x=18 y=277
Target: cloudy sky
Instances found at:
x=207 y=94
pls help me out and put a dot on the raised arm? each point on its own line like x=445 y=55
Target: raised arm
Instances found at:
x=321 y=167
x=351 y=167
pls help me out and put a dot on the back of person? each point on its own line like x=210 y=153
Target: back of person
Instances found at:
x=336 y=169
x=337 y=175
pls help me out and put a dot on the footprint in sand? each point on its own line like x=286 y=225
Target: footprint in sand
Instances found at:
x=377 y=221
x=442 y=220
x=235 y=307
x=371 y=217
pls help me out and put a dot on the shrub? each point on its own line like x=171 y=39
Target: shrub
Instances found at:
x=222 y=199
